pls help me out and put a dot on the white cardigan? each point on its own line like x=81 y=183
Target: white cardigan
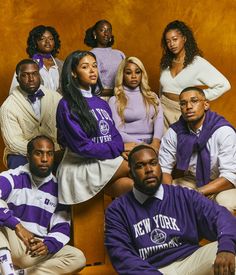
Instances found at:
x=199 y=72
x=19 y=123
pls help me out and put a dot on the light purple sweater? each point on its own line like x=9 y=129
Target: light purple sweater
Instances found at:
x=108 y=60
x=138 y=126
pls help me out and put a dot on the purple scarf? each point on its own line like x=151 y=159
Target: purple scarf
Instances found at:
x=38 y=57
x=188 y=143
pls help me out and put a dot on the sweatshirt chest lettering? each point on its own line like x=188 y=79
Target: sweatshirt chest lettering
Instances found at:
x=161 y=221
x=101 y=114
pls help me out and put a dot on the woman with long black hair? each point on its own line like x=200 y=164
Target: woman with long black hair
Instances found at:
x=86 y=130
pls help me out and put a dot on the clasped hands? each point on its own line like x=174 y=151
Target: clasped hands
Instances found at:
x=34 y=246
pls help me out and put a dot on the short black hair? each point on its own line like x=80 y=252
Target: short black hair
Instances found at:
x=197 y=89
x=23 y=62
x=36 y=33
x=139 y=148
x=30 y=145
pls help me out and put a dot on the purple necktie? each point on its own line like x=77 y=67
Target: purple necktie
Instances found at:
x=38 y=94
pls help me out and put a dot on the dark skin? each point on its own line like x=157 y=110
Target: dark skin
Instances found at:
x=46 y=45
x=146 y=172
x=42 y=158
x=29 y=78
x=194 y=114
x=103 y=34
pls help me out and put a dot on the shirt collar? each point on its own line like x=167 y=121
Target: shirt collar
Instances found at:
x=141 y=197
x=86 y=93
x=34 y=179
x=197 y=132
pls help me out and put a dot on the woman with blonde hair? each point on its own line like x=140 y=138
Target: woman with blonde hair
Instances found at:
x=136 y=110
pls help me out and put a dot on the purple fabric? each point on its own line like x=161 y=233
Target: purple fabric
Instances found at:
x=38 y=57
x=7 y=218
x=38 y=94
x=142 y=238
x=31 y=214
x=14 y=161
x=108 y=61
x=107 y=144
x=63 y=227
x=38 y=207
x=138 y=126
x=20 y=181
x=51 y=189
x=188 y=142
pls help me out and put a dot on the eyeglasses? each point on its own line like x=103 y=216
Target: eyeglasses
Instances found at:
x=192 y=101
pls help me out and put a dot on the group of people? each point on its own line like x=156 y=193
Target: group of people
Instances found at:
x=92 y=124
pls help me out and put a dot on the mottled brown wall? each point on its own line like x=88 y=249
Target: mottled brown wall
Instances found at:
x=137 y=26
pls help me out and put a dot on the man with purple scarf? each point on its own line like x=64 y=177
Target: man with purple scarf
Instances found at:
x=202 y=144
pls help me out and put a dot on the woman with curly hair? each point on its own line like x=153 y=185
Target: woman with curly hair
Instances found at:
x=101 y=39
x=182 y=66
x=92 y=161
x=43 y=45
x=136 y=110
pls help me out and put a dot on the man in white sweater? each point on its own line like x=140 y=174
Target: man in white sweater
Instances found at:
x=30 y=110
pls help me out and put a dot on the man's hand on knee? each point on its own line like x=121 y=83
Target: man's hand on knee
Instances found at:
x=224 y=264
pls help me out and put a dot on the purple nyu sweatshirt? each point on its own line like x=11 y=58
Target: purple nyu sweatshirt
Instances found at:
x=141 y=238
x=107 y=144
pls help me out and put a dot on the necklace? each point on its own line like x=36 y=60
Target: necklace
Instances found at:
x=178 y=61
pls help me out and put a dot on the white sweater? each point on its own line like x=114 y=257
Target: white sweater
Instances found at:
x=199 y=72
x=19 y=123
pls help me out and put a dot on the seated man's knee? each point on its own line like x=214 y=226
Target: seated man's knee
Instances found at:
x=227 y=199
x=78 y=257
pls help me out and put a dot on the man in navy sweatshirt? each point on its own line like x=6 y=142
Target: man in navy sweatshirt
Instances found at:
x=156 y=229
x=34 y=228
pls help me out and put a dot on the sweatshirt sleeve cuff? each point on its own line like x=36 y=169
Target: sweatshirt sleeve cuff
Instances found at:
x=226 y=245
x=53 y=247
x=11 y=222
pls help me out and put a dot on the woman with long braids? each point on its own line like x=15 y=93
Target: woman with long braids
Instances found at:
x=93 y=145
x=182 y=66
x=43 y=45
x=136 y=110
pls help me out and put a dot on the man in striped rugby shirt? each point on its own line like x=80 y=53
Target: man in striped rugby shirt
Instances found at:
x=34 y=228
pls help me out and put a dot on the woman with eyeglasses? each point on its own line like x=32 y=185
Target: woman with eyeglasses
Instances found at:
x=101 y=39
x=182 y=65
x=43 y=45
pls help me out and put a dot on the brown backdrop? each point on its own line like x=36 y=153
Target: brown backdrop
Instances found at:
x=137 y=26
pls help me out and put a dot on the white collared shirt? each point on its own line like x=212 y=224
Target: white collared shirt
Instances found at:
x=86 y=93
x=141 y=197
x=36 y=106
x=50 y=76
x=222 y=148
